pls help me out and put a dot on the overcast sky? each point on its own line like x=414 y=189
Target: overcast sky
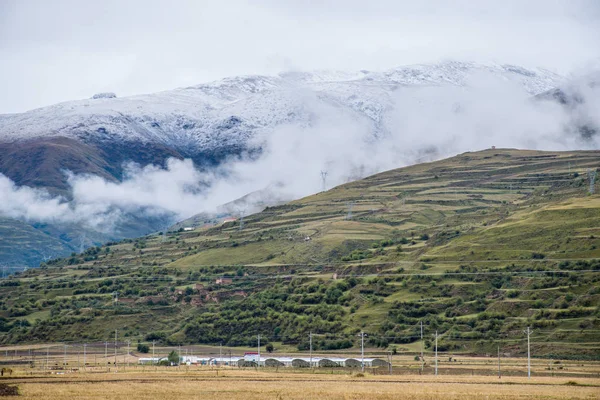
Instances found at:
x=52 y=51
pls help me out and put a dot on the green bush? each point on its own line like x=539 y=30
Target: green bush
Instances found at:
x=143 y=348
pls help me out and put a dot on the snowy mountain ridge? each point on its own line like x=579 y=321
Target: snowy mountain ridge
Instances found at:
x=231 y=111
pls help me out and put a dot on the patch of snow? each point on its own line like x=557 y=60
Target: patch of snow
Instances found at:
x=235 y=110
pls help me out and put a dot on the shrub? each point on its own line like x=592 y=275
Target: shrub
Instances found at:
x=143 y=348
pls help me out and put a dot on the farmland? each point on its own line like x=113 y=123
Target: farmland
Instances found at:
x=236 y=384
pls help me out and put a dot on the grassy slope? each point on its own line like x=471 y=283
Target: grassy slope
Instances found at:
x=498 y=212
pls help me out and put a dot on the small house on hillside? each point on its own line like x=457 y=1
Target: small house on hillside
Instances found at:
x=224 y=281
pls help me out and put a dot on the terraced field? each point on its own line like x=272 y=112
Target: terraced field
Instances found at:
x=477 y=247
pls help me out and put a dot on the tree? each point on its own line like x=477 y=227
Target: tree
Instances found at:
x=269 y=348
x=173 y=357
x=143 y=348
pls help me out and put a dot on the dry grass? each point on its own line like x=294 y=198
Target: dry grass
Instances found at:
x=249 y=385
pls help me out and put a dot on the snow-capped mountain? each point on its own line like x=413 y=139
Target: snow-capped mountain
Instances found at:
x=231 y=111
x=213 y=121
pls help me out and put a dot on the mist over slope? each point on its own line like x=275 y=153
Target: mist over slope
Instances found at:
x=268 y=134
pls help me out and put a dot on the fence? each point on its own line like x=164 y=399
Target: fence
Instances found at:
x=124 y=357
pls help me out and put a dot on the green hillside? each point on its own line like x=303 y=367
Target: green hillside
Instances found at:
x=477 y=247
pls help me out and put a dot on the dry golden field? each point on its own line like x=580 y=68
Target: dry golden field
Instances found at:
x=249 y=384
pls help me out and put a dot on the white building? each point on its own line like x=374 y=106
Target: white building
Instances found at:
x=314 y=362
x=271 y=361
x=150 y=360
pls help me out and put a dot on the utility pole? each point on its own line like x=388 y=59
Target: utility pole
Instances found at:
x=220 y=354
x=528 y=333
x=422 y=349
x=115 y=351
x=65 y=357
x=324 y=180
x=47 y=357
x=153 y=352
x=84 y=356
x=258 y=363
x=362 y=350
x=242 y=212
x=350 y=205
x=310 y=347
x=499 y=374
x=592 y=174
x=391 y=355
x=436 y=353
x=128 y=344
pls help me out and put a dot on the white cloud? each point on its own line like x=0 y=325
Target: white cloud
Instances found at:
x=69 y=49
x=423 y=123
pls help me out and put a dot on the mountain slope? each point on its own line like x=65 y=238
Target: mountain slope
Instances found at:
x=208 y=122
x=229 y=112
x=477 y=246
x=216 y=122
